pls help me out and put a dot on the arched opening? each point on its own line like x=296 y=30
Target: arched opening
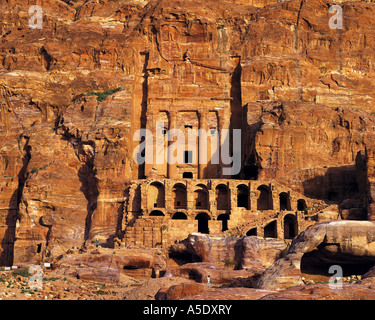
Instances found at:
x=284 y=200
x=252 y=232
x=301 y=205
x=156 y=195
x=222 y=197
x=156 y=213
x=290 y=226
x=203 y=222
x=179 y=195
x=187 y=175
x=201 y=198
x=179 y=216
x=243 y=196
x=224 y=219
x=270 y=230
x=265 y=198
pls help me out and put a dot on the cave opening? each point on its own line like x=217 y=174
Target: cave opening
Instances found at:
x=316 y=264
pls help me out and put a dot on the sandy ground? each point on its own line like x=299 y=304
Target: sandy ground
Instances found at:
x=14 y=285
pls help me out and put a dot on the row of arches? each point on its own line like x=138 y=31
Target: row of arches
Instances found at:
x=202 y=218
x=270 y=230
x=156 y=197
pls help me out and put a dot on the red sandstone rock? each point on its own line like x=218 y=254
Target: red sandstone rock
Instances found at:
x=344 y=243
x=103 y=266
x=247 y=252
x=230 y=294
x=194 y=291
x=304 y=92
x=180 y=291
x=199 y=271
x=324 y=292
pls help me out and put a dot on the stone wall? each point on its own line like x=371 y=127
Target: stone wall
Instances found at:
x=170 y=209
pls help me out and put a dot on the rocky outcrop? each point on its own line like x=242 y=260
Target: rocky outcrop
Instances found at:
x=349 y=244
x=370 y=186
x=324 y=292
x=225 y=259
x=261 y=252
x=311 y=147
x=194 y=291
x=179 y=291
x=104 y=266
x=200 y=271
x=311 y=292
x=240 y=252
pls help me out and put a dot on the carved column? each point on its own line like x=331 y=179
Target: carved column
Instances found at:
x=172 y=168
x=223 y=124
x=151 y=125
x=144 y=202
x=233 y=196
x=254 y=195
x=203 y=146
x=190 y=198
x=169 y=203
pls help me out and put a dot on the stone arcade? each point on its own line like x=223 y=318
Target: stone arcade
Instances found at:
x=158 y=212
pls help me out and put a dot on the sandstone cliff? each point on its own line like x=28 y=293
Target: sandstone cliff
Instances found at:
x=73 y=93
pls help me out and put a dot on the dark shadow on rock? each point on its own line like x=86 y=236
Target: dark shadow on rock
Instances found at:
x=7 y=243
x=336 y=185
x=89 y=188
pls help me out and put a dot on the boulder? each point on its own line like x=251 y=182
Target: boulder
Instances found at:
x=180 y=291
x=253 y=253
x=199 y=271
x=102 y=266
x=196 y=291
x=261 y=252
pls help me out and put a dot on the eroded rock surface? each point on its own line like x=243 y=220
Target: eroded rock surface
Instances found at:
x=73 y=93
x=349 y=244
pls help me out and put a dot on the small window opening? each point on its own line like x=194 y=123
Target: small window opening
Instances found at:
x=188 y=157
x=187 y=175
